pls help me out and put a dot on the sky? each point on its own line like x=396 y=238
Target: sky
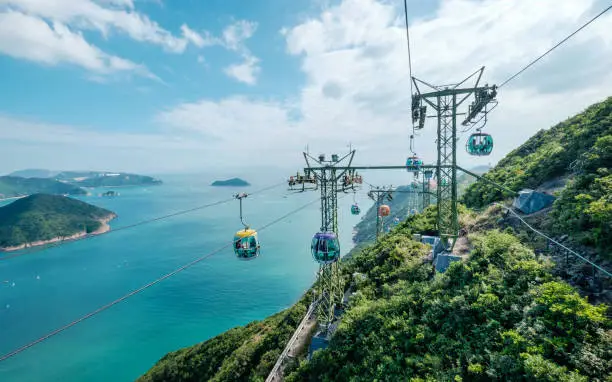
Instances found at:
x=161 y=86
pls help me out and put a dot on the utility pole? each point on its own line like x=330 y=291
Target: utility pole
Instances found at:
x=445 y=100
x=331 y=181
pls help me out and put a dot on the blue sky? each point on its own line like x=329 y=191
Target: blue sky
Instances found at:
x=179 y=86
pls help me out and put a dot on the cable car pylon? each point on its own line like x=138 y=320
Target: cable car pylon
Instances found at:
x=325 y=246
x=445 y=101
x=378 y=195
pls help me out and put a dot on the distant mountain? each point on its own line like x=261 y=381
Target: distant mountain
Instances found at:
x=234 y=182
x=90 y=178
x=465 y=180
x=105 y=179
x=481 y=169
x=41 y=218
x=34 y=173
x=12 y=186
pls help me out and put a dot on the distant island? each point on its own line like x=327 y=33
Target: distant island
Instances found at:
x=41 y=219
x=13 y=186
x=88 y=178
x=34 y=173
x=105 y=179
x=234 y=182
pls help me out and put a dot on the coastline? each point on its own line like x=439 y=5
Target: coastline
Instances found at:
x=104 y=228
x=13 y=197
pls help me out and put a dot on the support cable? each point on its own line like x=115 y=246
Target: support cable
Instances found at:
x=142 y=288
x=129 y=226
x=554 y=47
x=556 y=242
x=408 y=43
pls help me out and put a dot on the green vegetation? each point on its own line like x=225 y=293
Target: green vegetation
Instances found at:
x=45 y=217
x=497 y=316
x=580 y=148
x=584 y=207
x=11 y=186
x=400 y=208
x=234 y=182
x=545 y=156
x=245 y=353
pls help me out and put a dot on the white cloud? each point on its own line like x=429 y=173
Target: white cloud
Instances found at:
x=354 y=59
x=355 y=62
x=233 y=39
x=70 y=17
x=31 y=38
x=235 y=34
x=196 y=38
x=106 y=16
x=246 y=72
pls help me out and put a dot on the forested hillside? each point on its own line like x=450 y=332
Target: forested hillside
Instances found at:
x=579 y=149
x=498 y=316
x=11 y=186
x=43 y=217
x=546 y=155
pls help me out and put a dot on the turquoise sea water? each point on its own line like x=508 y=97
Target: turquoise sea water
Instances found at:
x=48 y=289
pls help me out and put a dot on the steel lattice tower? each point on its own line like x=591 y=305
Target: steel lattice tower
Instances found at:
x=445 y=100
x=379 y=194
x=329 y=179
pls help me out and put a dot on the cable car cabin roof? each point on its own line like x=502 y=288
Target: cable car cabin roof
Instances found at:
x=246 y=233
x=325 y=235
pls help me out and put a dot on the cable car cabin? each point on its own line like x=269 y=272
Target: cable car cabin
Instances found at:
x=428 y=174
x=480 y=144
x=325 y=247
x=414 y=164
x=246 y=245
x=355 y=210
x=384 y=210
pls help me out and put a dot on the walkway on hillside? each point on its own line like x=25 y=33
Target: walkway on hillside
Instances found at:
x=297 y=341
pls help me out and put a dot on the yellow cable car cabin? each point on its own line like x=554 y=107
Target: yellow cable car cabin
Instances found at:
x=246 y=245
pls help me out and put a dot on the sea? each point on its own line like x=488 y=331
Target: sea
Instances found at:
x=45 y=290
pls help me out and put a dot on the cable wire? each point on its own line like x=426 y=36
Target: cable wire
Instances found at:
x=408 y=43
x=142 y=288
x=33 y=250
x=554 y=241
x=554 y=47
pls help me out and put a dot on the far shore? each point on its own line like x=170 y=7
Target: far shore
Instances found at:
x=13 y=197
x=104 y=228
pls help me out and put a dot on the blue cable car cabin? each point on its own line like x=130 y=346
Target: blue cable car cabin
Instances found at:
x=325 y=247
x=480 y=144
x=246 y=245
x=355 y=210
x=413 y=163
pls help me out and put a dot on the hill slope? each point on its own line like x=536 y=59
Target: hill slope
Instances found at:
x=40 y=218
x=34 y=173
x=579 y=149
x=498 y=316
x=12 y=186
x=546 y=155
